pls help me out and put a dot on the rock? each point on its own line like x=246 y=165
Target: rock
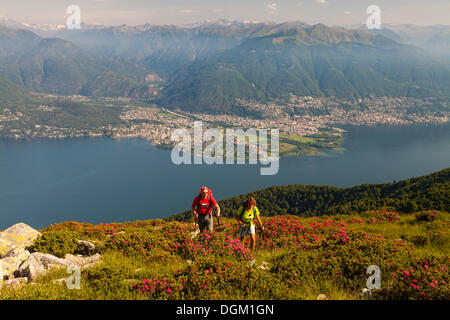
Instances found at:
x=39 y=263
x=85 y=248
x=14 y=283
x=12 y=261
x=264 y=266
x=189 y=261
x=31 y=268
x=365 y=292
x=322 y=297
x=115 y=234
x=195 y=233
x=130 y=280
x=59 y=281
x=18 y=236
x=81 y=261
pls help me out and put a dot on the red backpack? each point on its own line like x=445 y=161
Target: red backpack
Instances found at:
x=209 y=197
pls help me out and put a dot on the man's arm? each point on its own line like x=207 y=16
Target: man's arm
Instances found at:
x=217 y=210
x=194 y=207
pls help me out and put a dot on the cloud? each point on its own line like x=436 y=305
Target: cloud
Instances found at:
x=217 y=10
x=272 y=7
x=347 y=12
x=321 y=1
x=187 y=11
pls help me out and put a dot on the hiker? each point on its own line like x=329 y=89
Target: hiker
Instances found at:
x=202 y=207
x=245 y=215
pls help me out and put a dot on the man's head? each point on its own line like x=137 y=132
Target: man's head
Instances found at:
x=204 y=192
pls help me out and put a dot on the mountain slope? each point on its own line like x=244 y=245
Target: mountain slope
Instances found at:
x=57 y=66
x=316 y=61
x=430 y=192
x=11 y=94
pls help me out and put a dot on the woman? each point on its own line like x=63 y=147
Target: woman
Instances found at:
x=245 y=216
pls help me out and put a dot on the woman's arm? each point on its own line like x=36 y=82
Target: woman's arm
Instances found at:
x=260 y=222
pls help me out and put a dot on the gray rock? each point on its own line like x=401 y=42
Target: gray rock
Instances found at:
x=81 y=261
x=85 y=248
x=365 y=292
x=31 y=268
x=19 y=236
x=13 y=260
x=39 y=263
x=59 y=281
x=14 y=283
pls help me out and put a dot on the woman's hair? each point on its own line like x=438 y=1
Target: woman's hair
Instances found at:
x=249 y=202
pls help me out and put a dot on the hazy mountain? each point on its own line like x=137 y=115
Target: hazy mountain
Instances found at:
x=434 y=38
x=311 y=61
x=57 y=66
x=11 y=94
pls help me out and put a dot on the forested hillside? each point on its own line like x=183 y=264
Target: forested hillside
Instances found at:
x=430 y=192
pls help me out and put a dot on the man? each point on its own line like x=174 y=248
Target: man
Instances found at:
x=202 y=207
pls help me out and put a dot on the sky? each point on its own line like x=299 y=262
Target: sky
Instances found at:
x=181 y=12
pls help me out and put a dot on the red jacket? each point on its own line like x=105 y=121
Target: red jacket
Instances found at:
x=204 y=206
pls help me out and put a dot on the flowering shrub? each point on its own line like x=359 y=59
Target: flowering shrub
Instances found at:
x=426 y=278
x=345 y=263
x=426 y=216
x=144 y=244
x=208 y=278
x=381 y=216
x=212 y=244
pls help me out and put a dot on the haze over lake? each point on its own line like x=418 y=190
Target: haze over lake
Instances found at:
x=103 y=180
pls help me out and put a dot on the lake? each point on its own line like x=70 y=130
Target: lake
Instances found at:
x=104 y=180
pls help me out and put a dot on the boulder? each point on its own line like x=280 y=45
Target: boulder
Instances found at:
x=85 y=248
x=39 y=263
x=83 y=262
x=31 y=268
x=12 y=261
x=322 y=297
x=14 y=283
x=364 y=292
x=19 y=236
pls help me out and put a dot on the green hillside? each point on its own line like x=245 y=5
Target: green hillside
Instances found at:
x=11 y=94
x=57 y=66
x=316 y=61
x=422 y=193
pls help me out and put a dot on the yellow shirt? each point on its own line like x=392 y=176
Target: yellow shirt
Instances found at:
x=248 y=215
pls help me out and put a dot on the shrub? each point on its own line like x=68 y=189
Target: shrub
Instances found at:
x=426 y=278
x=426 y=216
x=381 y=216
x=57 y=243
x=209 y=278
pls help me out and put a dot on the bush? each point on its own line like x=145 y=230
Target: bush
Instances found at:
x=57 y=243
x=210 y=278
x=426 y=278
x=381 y=216
x=426 y=216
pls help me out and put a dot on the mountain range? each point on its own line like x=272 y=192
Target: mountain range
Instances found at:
x=210 y=66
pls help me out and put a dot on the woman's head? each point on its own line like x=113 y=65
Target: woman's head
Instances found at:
x=249 y=203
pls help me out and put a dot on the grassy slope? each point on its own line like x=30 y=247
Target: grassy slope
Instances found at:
x=126 y=262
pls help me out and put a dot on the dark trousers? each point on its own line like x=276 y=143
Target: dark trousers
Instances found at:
x=205 y=222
